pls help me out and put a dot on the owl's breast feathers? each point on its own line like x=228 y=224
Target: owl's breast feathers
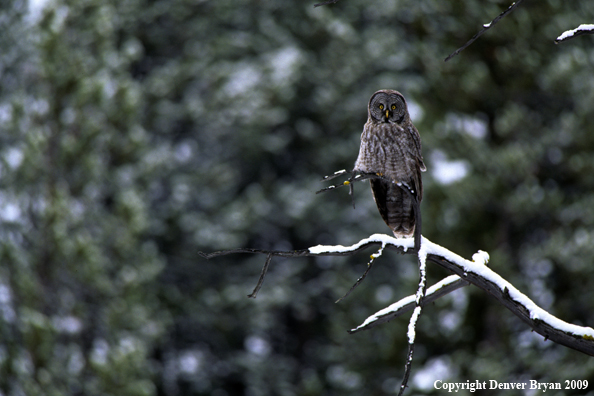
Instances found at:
x=395 y=152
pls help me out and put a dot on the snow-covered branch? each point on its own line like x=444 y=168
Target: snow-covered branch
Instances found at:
x=477 y=273
x=474 y=272
x=438 y=290
x=580 y=30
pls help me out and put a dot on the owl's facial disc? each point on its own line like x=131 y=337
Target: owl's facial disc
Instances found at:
x=387 y=108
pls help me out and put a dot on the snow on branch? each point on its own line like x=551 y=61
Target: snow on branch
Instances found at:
x=475 y=272
x=550 y=327
x=579 y=31
x=438 y=290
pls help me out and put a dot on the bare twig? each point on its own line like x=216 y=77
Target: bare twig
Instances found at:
x=407 y=368
x=579 y=31
x=262 y=275
x=279 y=253
x=335 y=175
x=326 y=3
x=355 y=176
x=484 y=29
x=373 y=257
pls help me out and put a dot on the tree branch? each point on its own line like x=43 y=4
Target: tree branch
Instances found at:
x=438 y=290
x=550 y=327
x=579 y=31
x=326 y=3
x=542 y=322
x=262 y=276
x=419 y=301
x=484 y=29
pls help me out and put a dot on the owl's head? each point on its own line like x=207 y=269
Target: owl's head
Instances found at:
x=387 y=105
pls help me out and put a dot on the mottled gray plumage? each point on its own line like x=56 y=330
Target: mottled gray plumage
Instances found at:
x=391 y=146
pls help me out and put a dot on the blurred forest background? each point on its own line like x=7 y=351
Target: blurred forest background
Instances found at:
x=135 y=133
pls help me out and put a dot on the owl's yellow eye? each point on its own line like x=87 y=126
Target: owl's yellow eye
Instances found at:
x=393 y=107
x=381 y=107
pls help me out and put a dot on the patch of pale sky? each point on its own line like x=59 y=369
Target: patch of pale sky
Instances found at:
x=435 y=369
x=446 y=171
x=35 y=9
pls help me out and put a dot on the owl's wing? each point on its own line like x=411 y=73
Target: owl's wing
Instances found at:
x=417 y=165
x=416 y=177
x=362 y=158
x=416 y=149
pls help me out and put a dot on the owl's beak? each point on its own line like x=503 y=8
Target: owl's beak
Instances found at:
x=387 y=114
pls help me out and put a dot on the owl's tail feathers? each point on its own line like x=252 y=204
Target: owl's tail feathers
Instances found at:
x=403 y=234
x=400 y=212
x=396 y=207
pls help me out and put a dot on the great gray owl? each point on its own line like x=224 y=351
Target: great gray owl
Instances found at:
x=391 y=147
